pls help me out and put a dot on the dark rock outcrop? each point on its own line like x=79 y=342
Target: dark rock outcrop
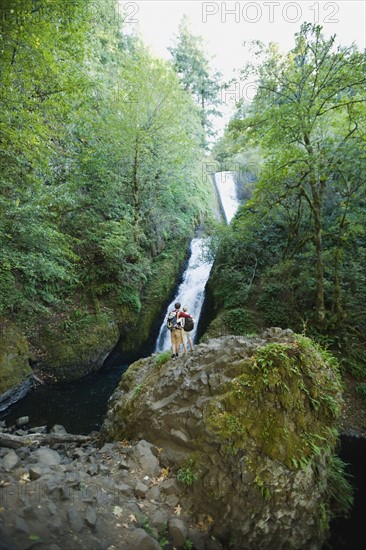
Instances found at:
x=247 y=424
x=15 y=370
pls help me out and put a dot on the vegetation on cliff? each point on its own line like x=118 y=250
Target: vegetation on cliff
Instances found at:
x=295 y=254
x=14 y=356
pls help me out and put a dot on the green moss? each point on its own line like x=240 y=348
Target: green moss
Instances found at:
x=286 y=400
x=217 y=328
x=238 y=321
x=77 y=345
x=162 y=358
x=14 y=356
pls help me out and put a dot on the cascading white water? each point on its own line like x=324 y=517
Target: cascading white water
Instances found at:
x=226 y=188
x=192 y=289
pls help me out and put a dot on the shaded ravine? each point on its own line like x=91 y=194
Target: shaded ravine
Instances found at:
x=350 y=533
x=80 y=405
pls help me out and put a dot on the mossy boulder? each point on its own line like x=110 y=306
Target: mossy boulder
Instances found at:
x=14 y=356
x=248 y=425
x=76 y=345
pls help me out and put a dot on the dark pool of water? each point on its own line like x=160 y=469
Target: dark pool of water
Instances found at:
x=80 y=406
x=350 y=534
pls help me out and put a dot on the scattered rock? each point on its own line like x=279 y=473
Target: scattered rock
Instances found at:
x=178 y=531
x=79 y=454
x=213 y=544
x=197 y=538
x=170 y=487
x=58 y=429
x=21 y=525
x=46 y=456
x=138 y=539
x=172 y=501
x=145 y=455
x=52 y=508
x=21 y=432
x=38 y=430
x=91 y=516
x=154 y=493
x=75 y=519
x=55 y=525
x=10 y=461
x=35 y=472
x=22 y=421
x=140 y=489
x=124 y=490
x=123 y=465
x=93 y=469
x=160 y=520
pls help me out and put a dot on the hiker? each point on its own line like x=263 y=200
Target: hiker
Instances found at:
x=174 y=324
x=187 y=327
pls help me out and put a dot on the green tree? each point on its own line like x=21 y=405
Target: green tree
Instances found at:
x=308 y=107
x=192 y=65
x=99 y=155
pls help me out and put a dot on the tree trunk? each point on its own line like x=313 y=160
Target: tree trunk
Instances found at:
x=317 y=190
x=136 y=191
x=337 y=308
x=320 y=306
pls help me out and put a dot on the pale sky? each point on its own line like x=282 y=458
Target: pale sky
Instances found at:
x=225 y=25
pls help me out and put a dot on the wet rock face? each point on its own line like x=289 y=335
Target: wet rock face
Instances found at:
x=246 y=424
x=14 y=358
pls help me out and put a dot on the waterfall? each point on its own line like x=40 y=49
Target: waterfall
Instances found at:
x=191 y=291
x=226 y=188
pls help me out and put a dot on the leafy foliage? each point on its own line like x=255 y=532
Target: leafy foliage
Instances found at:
x=191 y=63
x=295 y=253
x=99 y=150
x=339 y=490
x=187 y=475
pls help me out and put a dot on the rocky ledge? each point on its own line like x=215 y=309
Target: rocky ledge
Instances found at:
x=81 y=495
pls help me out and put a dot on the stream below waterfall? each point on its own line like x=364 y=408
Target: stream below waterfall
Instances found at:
x=80 y=405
